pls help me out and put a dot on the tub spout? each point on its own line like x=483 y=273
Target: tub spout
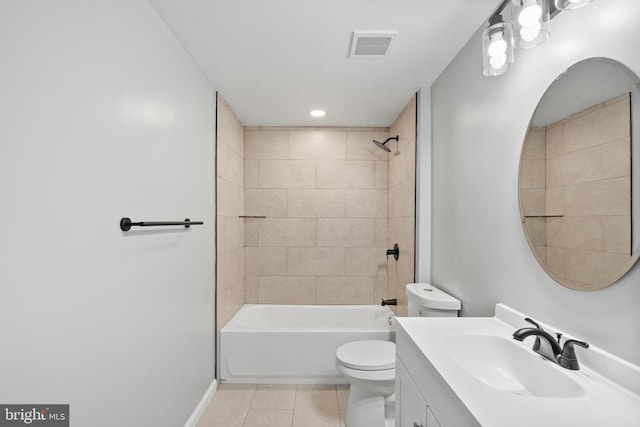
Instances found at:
x=391 y=301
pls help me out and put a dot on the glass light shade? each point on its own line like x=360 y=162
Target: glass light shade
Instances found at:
x=571 y=4
x=532 y=23
x=497 y=47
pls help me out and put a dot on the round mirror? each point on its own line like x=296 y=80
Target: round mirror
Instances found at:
x=576 y=180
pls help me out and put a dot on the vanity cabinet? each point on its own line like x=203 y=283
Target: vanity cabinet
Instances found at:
x=412 y=410
x=422 y=396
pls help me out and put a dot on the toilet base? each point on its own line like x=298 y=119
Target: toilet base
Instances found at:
x=368 y=409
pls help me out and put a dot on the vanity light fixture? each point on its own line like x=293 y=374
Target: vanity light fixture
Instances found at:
x=571 y=4
x=497 y=46
x=530 y=25
x=317 y=113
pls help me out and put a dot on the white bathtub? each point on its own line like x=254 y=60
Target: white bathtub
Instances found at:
x=296 y=344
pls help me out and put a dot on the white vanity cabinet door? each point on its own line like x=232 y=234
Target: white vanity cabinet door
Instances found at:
x=431 y=420
x=412 y=408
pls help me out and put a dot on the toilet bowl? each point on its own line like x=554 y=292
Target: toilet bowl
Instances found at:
x=369 y=366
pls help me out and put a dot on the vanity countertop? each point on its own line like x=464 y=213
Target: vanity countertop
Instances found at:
x=608 y=387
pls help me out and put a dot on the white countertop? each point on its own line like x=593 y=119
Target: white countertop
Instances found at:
x=605 y=402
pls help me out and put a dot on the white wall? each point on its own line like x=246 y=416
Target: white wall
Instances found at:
x=479 y=251
x=103 y=116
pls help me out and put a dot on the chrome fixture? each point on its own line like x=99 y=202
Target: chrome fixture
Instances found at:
x=546 y=345
x=383 y=145
x=395 y=252
x=528 y=26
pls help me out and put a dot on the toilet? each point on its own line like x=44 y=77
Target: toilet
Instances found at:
x=370 y=366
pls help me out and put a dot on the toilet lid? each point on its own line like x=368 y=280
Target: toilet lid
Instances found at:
x=367 y=355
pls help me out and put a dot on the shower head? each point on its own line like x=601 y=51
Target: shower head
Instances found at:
x=383 y=145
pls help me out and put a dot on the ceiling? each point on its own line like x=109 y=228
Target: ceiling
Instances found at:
x=274 y=61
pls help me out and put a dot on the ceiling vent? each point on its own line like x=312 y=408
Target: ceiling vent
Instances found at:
x=370 y=45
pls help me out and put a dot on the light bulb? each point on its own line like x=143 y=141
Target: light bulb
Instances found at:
x=531 y=32
x=531 y=12
x=498 y=61
x=498 y=45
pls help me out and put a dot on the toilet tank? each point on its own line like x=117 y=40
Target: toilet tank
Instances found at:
x=424 y=300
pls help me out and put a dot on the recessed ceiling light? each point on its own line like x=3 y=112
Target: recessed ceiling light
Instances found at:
x=318 y=113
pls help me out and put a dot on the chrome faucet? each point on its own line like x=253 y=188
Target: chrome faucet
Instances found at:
x=547 y=346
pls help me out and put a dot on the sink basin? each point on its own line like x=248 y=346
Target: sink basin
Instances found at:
x=507 y=366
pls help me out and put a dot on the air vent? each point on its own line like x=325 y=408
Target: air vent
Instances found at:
x=370 y=45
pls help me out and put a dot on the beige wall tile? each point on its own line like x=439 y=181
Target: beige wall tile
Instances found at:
x=318 y=145
x=595 y=268
x=230 y=198
x=345 y=232
x=405 y=124
x=402 y=199
x=381 y=174
x=616 y=234
x=347 y=174
x=584 y=232
x=600 y=124
x=230 y=234
x=230 y=165
x=554 y=201
x=535 y=145
x=366 y=262
x=316 y=203
x=268 y=202
x=367 y=203
x=345 y=290
x=251 y=174
x=250 y=289
x=555 y=261
x=532 y=201
x=608 y=197
x=287 y=174
x=230 y=268
x=318 y=261
x=251 y=231
x=402 y=232
x=578 y=166
x=287 y=232
x=286 y=290
x=380 y=232
x=536 y=229
x=266 y=144
x=361 y=147
x=269 y=261
x=616 y=158
x=555 y=141
x=229 y=130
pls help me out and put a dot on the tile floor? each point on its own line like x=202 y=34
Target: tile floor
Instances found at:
x=282 y=405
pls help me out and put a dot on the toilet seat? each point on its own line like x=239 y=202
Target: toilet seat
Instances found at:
x=368 y=355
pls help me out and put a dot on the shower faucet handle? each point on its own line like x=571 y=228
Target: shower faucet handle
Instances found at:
x=395 y=252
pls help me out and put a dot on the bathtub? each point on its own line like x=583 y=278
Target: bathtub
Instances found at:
x=296 y=344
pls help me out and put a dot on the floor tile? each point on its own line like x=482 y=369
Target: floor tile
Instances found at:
x=269 y=418
x=229 y=406
x=316 y=406
x=279 y=396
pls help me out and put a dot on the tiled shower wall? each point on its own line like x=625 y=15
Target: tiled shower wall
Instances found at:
x=579 y=169
x=402 y=204
x=230 y=205
x=323 y=193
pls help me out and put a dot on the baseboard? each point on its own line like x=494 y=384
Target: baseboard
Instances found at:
x=202 y=406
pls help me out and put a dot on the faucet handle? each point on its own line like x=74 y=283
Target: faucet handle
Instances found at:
x=533 y=322
x=536 y=343
x=568 y=357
